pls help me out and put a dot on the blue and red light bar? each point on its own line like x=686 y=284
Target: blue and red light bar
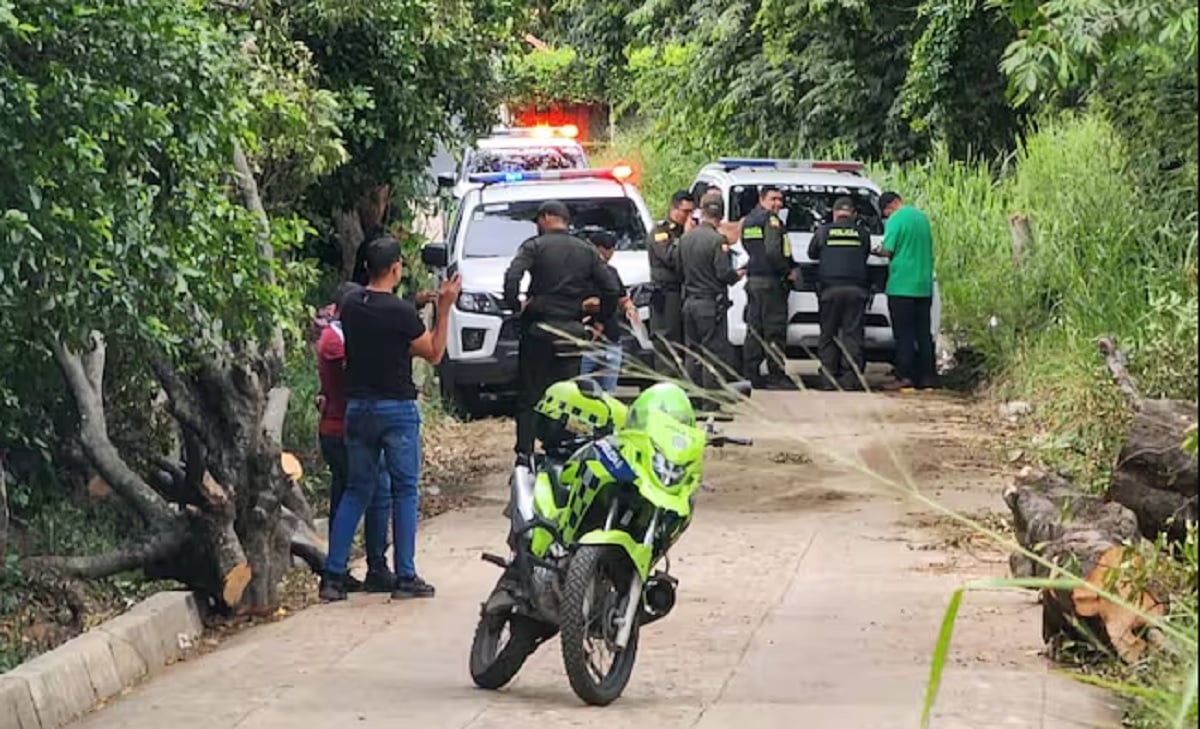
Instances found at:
x=541 y=131
x=620 y=173
x=849 y=166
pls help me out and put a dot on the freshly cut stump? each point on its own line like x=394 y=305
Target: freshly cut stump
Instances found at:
x=1086 y=537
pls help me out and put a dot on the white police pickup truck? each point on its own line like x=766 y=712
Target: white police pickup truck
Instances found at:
x=809 y=189
x=495 y=216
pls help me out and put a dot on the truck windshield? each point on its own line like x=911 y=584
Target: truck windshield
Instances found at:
x=808 y=206
x=495 y=230
x=525 y=158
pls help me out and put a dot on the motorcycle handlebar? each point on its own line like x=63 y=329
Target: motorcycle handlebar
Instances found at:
x=719 y=441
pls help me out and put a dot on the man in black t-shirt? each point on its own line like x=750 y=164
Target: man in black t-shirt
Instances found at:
x=383 y=333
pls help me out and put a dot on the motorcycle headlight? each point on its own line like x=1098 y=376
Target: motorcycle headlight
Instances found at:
x=666 y=471
x=478 y=303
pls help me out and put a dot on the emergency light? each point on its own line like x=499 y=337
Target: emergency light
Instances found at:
x=620 y=173
x=567 y=131
x=732 y=163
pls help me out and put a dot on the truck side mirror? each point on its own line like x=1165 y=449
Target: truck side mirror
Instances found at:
x=445 y=179
x=435 y=255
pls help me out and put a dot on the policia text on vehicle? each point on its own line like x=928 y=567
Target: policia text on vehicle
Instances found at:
x=769 y=273
x=841 y=248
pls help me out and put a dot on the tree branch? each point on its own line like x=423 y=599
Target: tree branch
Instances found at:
x=275 y=413
x=93 y=431
x=3 y=511
x=183 y=405
x=1118 y=367
x=252 y=201
x=159 y=546
x=307 y=544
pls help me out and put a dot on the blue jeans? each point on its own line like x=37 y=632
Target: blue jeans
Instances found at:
x=604 y=364
x=379 y=513
x=389 y=430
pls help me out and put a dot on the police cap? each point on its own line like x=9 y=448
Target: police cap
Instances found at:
x=556 y=209
x=843 y=205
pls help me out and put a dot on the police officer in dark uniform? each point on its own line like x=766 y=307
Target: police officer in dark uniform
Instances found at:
x=768 y=275
x=708 y=272
x=564 y=272
x=841 y=248
x=666 y=302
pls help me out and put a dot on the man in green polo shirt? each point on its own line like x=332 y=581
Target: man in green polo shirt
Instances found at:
x=908 y=244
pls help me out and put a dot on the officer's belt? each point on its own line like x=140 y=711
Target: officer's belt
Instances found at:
x=666 y=286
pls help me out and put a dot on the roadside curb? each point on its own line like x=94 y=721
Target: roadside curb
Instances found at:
x=62 y=685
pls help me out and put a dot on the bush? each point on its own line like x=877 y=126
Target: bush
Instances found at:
x=1105 y=259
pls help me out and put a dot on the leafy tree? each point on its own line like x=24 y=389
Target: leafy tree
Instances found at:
x=131 y=223
x=1135 y=59
x=792 y=77
x=407 y=74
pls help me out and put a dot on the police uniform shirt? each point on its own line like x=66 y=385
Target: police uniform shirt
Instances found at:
x=704 y=262
x=765 y=241
x=841 y=249
x=663 y=249
x=564 y=271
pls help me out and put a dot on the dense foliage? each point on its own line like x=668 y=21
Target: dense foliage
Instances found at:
x=165 y=162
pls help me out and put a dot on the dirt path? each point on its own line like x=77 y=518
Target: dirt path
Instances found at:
x=810 y=596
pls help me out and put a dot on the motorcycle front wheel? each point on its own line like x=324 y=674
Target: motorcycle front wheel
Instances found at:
x=595 y=594
x=502 y=643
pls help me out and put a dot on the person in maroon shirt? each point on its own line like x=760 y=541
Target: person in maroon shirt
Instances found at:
x=331 y=368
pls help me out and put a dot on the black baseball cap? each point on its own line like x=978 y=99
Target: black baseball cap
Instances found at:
x=555 y=208
x=844 y=204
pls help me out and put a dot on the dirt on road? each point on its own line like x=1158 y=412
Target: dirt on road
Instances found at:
x=812 y=587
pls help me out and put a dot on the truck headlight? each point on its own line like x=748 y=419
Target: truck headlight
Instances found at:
x=478 y=303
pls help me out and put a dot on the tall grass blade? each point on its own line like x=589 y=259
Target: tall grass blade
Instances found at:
x=940 y=653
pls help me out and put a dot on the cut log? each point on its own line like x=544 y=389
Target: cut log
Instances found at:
x=235 y=583
x=1087 y=537
x=1084 y=612
x=1154 y=477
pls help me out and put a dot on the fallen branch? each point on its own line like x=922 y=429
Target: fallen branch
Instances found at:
x=161 y=546
x=307 y=544
x=1154 y=477
x=81 y=374
x=1118 y=366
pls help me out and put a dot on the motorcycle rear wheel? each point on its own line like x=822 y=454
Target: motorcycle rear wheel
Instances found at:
x=596 y=585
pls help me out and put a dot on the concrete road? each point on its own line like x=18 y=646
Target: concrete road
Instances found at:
x=812 y=586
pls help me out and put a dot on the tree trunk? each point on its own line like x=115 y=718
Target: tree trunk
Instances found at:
x=1086 y=537
x=3 y=512
x=1154 y=476
x=369 y=213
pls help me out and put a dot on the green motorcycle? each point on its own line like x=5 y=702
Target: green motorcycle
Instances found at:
x=591 y=518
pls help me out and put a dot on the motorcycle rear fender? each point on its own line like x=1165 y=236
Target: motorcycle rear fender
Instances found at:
x=640 y=555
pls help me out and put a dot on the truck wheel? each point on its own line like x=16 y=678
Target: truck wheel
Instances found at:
x=462 y=400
